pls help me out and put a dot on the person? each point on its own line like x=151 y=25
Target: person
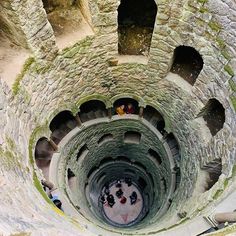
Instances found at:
x=107 y=190
x=118 y=184
x=102 y=199
x=48 y=187
x=56 y=202
x=54 y=198
x=123 y=200
x=120 y=110
x=128 y=181
x=129 y=109
x=133 y=198
x=119 y=193
x=110 y=200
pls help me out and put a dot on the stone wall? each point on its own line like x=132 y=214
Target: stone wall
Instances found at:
x=56 y=81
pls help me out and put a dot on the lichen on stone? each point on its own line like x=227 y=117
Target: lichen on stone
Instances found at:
x=16 y=84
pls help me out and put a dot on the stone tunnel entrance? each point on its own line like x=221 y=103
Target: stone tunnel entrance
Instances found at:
x=187 y=63
x=136 y=19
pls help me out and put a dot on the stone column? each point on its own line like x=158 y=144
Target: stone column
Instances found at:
x=38 y=31
x=141 y=109
x=78 y=120
x=225 y=217
x=109 y=111
x=53 y=144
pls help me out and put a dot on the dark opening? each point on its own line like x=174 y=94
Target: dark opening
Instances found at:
x=130 y=171
x=155 y=118
x=214 y=170
x=70 y=173
x=174 y=147
x=155 y=156
x=91 y=171
x=92 y=109
x=105 y=161
x=130 y=106
x=43 y=149
x=214 y=115
x=178 y=177
x=163 y=180
x=132 y=137
x=82 y=152
x=142 y=183
x=63 y=118
x=136 y=19
x=105 y=138
x=187 y=63
x=61 y=125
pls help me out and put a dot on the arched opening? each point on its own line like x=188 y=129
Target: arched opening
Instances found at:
x=105 y=138
x=164 y=185
x=142 y=183
x=132 y=137
x=82 y=152
x=155 y=118
x=128 y=105
x=61 y=125
x=92 y=109
x=43 y=154
x=155 y=156
x=214 y=115
x=136 y=19
x=70 y=20
x=187 y=63
x=213 y=170
x=174 y=147
x=71 y=180
x=43 y=149
x=13 y=46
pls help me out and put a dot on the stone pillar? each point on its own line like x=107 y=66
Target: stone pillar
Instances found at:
x=53 y=144
x=109 y=111
x=78 y=120
x=225 y=217
x=141 y=109
x=38 y=31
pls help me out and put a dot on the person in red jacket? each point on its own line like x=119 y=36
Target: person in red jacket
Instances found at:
x=130 y=109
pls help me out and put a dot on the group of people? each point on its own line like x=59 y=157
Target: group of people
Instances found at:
x=109 y=198
x=125 y=109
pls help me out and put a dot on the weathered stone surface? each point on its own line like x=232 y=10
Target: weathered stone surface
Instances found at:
x=57 y=81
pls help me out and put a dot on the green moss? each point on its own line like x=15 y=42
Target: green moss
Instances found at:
x=11 y=143
x=220 y=42
x=234 y=171
x=79 y=47
x=217 y=194
x=16 y=84
x=9 y=155
x=41 y=69
x=225 y=55
x=21 y=234
x=39 y=187
x=203 y=10
x=232 y=85
x=202 y=1
x=226 y=182
x=233 y=101
x=214 y=26
x=229 y=70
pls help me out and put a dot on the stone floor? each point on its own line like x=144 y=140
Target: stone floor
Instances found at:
x=123 y=213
